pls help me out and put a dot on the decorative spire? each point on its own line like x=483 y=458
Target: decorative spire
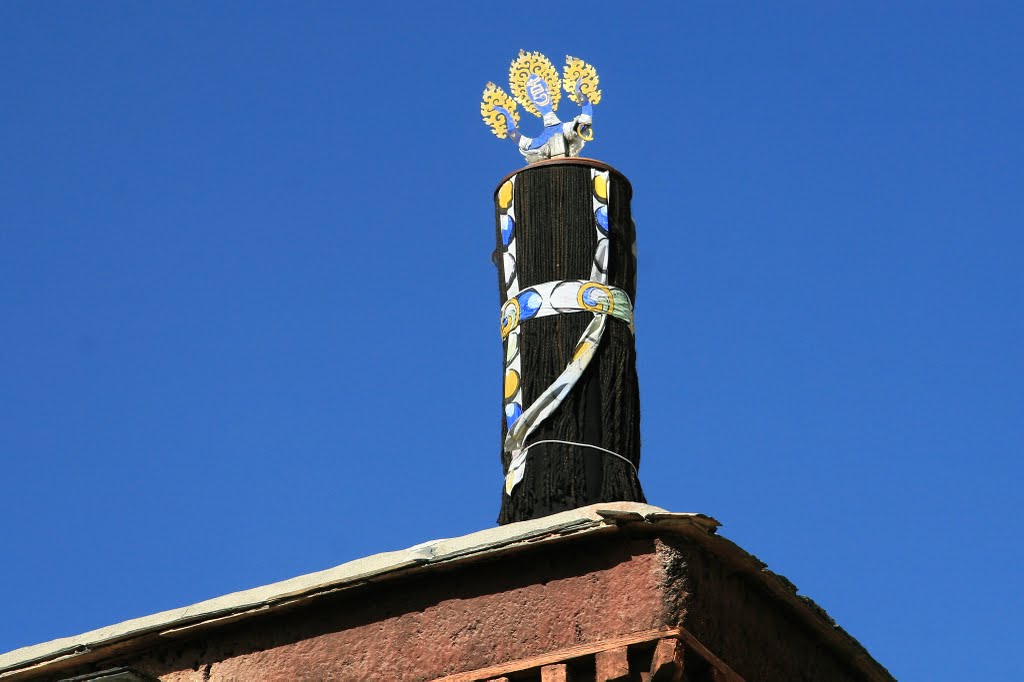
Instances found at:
x=535 y=86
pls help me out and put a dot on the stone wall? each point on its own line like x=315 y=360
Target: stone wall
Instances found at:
x=420 y=628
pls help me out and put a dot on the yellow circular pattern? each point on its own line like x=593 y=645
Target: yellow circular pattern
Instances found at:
x=602 y=306
x=511 y=383
x=505 y=195
x=601 y=188
x=509 y=316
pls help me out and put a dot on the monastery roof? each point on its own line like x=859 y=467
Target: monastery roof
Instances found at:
x=596 y=519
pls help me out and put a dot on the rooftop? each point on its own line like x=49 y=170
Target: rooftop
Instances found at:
x=595 y=519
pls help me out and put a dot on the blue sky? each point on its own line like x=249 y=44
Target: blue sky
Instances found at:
x=249 y=318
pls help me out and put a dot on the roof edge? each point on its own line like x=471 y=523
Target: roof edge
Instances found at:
x=597 y=518
x=358 y=571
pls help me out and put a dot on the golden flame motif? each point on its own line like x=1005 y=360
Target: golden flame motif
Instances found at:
x=577 y=69
x=496 y=97
x=527 y=64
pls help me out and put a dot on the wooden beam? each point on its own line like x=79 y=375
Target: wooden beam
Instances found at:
x=667 y=663
x=613 y=665
x=724 y=672
x=556 y=672
x=560 y=655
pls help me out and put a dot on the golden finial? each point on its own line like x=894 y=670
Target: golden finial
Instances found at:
x=526 y=65
x=577 y=70
x=495 y=97
x=535 y=84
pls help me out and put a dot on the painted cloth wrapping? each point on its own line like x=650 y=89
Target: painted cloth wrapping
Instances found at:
x=567 y=296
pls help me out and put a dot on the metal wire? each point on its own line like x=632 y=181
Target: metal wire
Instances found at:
x=584 y=445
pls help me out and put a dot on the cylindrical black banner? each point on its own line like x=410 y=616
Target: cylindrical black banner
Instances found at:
x=566 y=224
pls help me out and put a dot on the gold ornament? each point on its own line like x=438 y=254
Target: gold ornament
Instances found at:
x=525 y=65
x=578 y=70
x=496 y=97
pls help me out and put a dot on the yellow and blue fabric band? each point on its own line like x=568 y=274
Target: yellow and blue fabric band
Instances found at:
x=568 y=296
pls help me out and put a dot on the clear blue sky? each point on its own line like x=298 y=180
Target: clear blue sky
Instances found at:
x=250 y=323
